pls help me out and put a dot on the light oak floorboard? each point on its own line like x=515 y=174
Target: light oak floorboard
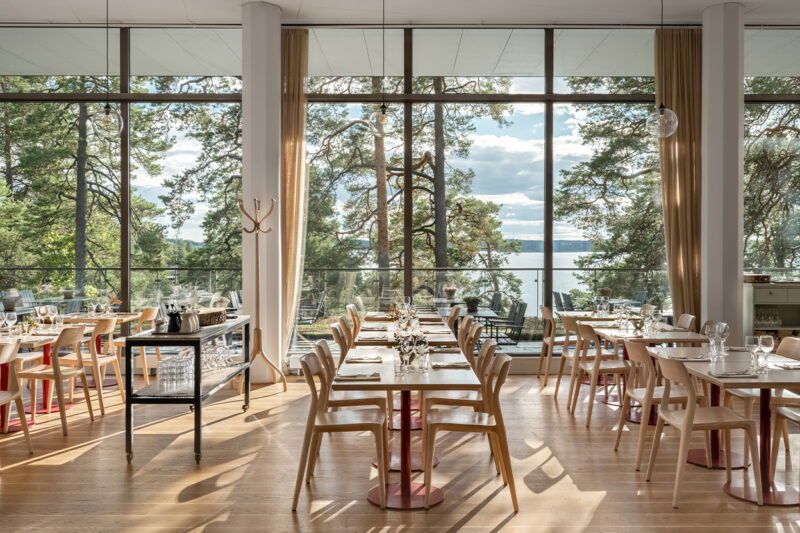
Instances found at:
x=568 y=478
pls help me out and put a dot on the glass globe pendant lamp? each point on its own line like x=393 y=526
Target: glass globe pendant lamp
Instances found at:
x=382 y=121
x=662 y=122
x=107 y=122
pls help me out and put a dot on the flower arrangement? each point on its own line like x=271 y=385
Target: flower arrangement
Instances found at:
x=450 y=292
x=604 y=291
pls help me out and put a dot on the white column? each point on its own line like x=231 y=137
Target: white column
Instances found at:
x=261 y=135
x=723 y=166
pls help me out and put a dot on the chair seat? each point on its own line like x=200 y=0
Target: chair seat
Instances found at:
x=607 y=366
x=791 y=414
x=351 y=420
x=46 y=372
x=677 y=393
x=87 y=358
x=779 y=396
x=456 y=420
x=25 y=357
x=7 y=396
x=708 y=418
x=453 y=395
x=559 y=341
x=345 y=397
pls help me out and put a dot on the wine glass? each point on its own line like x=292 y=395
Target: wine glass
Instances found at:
x=2 y=320
x=90 y=305
x=51 y=314
x=723 y=332
x=11 y=319
x=751 y=344
x=766 y=343
x=710 y=331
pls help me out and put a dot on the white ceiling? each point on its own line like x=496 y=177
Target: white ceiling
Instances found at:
x=398 y=11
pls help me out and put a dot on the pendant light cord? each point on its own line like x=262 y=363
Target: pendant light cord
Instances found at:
x=108 y=78
x=383 y=52
x=661 y=55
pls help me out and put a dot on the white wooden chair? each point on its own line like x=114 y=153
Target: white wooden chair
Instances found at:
x=455 y=311
x=348 y=332
x=321 y=420
x=352 y=312
x=695 y=418
x=549 y=342
x=686 y=322
x=569 y=354
x=8 y=355
x=490 y=422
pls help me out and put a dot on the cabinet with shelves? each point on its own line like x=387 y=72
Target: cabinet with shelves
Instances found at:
x=772 y=308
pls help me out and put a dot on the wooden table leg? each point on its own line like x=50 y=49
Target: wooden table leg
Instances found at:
x=773 y=493
x=697 y=456
x=107 y=383
x=405 y=495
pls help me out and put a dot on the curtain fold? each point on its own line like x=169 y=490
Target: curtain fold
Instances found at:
x=681 y=90
x=294 y=189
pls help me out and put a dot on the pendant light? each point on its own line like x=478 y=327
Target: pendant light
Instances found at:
x=107 y=121
x=662 y=122
x=381 y=120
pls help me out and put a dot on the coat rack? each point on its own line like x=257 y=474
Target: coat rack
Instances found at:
x=258 y=229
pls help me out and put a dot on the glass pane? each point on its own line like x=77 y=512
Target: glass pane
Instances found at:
x=186 y=60
x=479 y=211
x=59 y=205
x=350 y=61
x=603 y=61
x=354 y=229
x=479 y=60
x=185 y=224
x=58 y=60
x=607 y=206
x=770 y=61
x=771 y=185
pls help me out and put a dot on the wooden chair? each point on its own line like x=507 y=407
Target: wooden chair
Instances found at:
x=471 y=341
x=8 y=354
x=549 y=341
x=646 y=309
x=455 y=311
x=489 y=422
x=464 y=330
x=569 y=354
x=783 y=415
x=338 y=399
x=643 y=372
x=355 y=319
x=789 y=347
x=320 y=421
x=149 y=314
x=98 y=362
x=695 y=418
x=686 y=322
x=341 y=341
x=69 y=337
x=600 y=363
x=348 y=332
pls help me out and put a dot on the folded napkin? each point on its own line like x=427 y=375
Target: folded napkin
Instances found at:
x=436 y=331
x=372 y=335
x=445 y=350
x=733 y=374
x=737 y=349
x=788 y=366
x=451 y=364
x=376 y=327
x=364 y=359
x=371 y=376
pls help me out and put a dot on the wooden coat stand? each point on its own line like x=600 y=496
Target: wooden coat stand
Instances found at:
x=257 y=349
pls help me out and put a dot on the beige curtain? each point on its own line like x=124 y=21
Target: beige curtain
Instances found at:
x=294 y=190
x=680 y=90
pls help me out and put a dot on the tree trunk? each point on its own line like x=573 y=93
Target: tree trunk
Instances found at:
x=382 y=210
x=8 y=171
x=81 y=203
x=439 y=193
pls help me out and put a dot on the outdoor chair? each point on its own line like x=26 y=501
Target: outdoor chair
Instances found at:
x=508 y=333
x=557 y=302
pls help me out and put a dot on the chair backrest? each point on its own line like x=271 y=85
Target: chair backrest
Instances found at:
x=567 y=300
x=455 y=311
x=588 y=336
x=149 y=314
x=549 y=324
x=519 y=319
x=313 y=367
x=674 y=373
x=326 y=356
x=647 y=309
x=570 y=328
x=641 y=297
x=235 y=303
x=643 y=370
x=341 y=341
x=352 y=312
x=70 y=336
x=8 y=353
x=558 y=302
x=686 y=321
x=789 y=347
x=102 y=327
x=497 y=301
x=74 y=306
x=463 y=330
x=484 y=359
x=472 y=339
x=348 y=333
x=498 y=372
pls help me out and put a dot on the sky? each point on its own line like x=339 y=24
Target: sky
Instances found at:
x=508 y=164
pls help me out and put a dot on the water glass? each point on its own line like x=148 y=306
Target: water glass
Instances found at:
x=60 y=321
x=752 y=346
x=11 y=319
x=766 y=344
x=398 y=367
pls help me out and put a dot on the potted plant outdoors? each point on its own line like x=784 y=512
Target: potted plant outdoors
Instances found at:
x=450 y=292
x=472 y=303
x=10 y=302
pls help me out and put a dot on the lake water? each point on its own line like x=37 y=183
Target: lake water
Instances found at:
x=533 y=281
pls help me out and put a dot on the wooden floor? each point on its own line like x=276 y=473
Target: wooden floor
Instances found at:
x=568 y=478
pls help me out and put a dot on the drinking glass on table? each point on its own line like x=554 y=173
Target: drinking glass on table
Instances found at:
x=11 y=319
x=766 y=344
x=752 y=346
x=51 y=314
x=723 y=332
x=710 y=331
x=90 y=305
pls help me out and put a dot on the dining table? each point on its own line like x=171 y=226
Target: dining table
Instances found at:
x=437 y=334
x=41 y=339
x=770 y=378
x=382 y=316
x=449 y=371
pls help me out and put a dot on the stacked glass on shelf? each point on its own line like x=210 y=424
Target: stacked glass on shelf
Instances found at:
x=767 y=318
x=176 y=372
x=410 y=340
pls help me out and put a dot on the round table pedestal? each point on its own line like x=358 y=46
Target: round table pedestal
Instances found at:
x=777 y=495
x=107 y=383
x=416 y=461
x=394 y=500
x=416 y=423
x=698 y=457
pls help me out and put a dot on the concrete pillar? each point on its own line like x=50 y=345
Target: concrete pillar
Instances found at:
x=723 y=166
x=261 y=135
